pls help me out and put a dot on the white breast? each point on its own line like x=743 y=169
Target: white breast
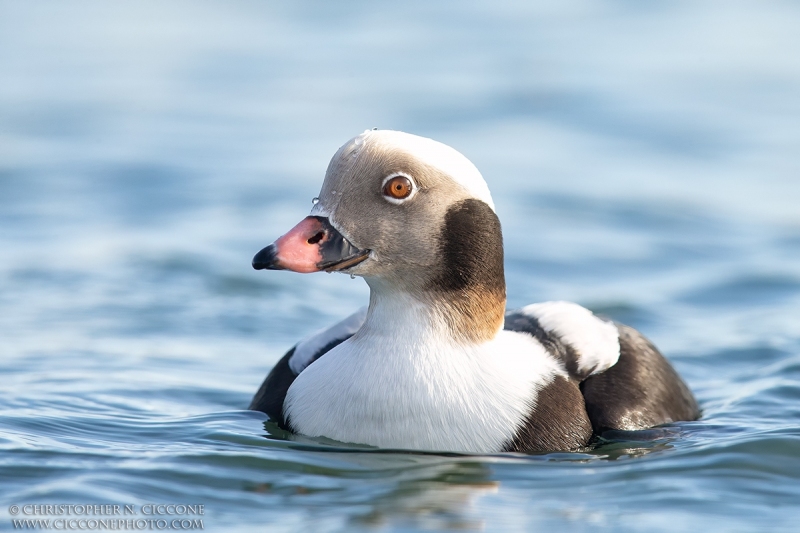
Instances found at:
x=402 y=387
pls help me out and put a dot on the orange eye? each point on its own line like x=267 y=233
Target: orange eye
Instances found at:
x=399 y=187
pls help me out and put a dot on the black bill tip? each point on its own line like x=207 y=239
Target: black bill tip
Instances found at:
x=266 y=259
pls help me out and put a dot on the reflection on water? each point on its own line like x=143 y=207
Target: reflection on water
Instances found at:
x=430 y=490
x=613 y=445
x=445 y=501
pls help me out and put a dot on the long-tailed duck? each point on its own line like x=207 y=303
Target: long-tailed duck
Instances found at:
x=435 y=362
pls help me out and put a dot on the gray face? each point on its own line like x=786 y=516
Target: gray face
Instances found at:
x=404 y=236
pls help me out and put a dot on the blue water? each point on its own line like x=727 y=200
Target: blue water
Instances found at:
x=645 y=162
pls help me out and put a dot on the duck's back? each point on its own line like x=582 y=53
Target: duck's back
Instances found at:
x=625 y=382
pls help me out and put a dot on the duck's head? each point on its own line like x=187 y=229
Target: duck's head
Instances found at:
x=407 y=213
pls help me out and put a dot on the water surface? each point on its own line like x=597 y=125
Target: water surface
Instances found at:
x=644 y=161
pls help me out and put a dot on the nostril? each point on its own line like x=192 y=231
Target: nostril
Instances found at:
x=317 y=237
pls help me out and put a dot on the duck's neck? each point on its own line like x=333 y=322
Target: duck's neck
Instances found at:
x=464 y=295
x=468 y=317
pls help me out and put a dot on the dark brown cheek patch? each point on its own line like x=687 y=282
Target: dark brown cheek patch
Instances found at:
x=471 y=282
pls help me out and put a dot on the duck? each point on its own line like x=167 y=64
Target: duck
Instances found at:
x=435 y=362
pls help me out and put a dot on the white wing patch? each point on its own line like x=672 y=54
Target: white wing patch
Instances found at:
x=309 y=347
x=596 y=341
